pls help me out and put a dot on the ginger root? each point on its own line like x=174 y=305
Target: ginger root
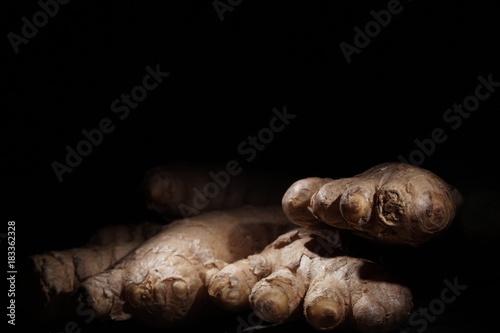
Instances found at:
x=164 y=280
x=59 y=273
x=392 y=203
x=183 y=189
x=305 y=273
x=242 y=256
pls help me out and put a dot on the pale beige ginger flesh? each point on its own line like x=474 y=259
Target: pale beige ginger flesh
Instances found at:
x=306 y=274
x=163 y=282
x=57 y=274
x=392 y=203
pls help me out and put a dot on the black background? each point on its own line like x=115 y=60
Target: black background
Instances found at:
x=225 y=79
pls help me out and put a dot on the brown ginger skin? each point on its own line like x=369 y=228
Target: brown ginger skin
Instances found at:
x=247 y=256
x=57 y=274
x=305 y=274
x=184 y=189
x=163 y=282
x=391 y=203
